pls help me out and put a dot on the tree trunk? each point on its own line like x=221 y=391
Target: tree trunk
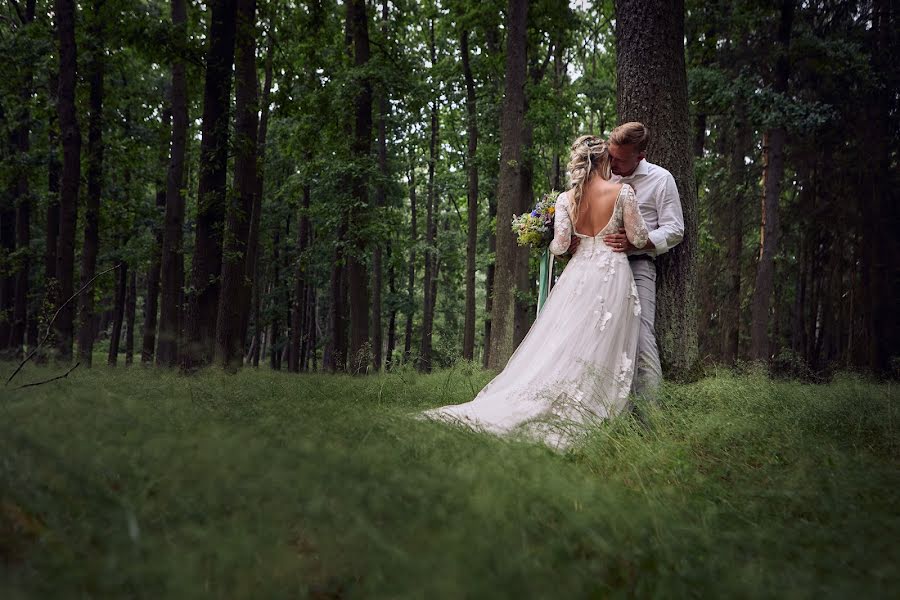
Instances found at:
x=411 y=280
x=274 y=353
x=91 y=246
x=234 y=298
x=489 y=284
x=301 y=281
x=151 y=305
x=118 y=315
x=256 y=212
x=203 y=301
x=652 y=88
x=380 y=202
x=22 y=196
x=509 y=188
x=172 y=261
x=471 y=199
x=51 y=284
x=424 y=364
x=731 y=311
x=392 y=318
x=130 y=309
x=773 y=171
x=360 y=343
x=71 y=174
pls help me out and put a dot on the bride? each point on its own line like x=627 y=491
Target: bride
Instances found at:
x=575 y=365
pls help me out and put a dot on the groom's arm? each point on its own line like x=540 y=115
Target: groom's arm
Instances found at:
x=670 y=227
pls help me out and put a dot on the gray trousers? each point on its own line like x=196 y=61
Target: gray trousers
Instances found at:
x=648 y=373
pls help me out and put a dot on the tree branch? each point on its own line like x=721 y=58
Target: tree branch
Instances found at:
x=56 y=314
x=63 y=376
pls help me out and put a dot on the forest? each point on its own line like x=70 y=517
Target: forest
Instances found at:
x=327 y=186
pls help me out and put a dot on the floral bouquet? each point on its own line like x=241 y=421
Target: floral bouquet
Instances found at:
x=535 y=229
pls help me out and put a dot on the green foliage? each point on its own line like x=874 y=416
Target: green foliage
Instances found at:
x=141 y=483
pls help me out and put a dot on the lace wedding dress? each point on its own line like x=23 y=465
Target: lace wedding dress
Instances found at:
x=575 y=365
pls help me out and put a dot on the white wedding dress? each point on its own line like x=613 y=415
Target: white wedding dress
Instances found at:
x=576 y=364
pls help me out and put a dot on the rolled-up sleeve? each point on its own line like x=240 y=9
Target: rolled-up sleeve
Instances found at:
x=670 y=228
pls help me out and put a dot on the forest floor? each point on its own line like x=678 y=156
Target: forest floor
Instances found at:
x=141 y=483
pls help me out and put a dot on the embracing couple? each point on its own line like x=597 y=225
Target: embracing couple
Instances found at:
x=593 y=343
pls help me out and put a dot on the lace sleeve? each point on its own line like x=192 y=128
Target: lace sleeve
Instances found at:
x=635 y=228
x=562 y=226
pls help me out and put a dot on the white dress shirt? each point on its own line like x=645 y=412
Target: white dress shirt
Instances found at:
x=660 y=205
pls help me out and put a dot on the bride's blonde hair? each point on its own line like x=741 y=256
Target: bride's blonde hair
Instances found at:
x=589 y=156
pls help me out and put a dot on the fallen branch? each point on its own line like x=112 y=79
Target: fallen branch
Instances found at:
x=63 y=376
x=50 y=325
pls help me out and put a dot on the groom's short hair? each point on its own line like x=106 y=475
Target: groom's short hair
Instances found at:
x=631 y=134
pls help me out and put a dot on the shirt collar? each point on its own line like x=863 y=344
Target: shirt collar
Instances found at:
x=640 y=170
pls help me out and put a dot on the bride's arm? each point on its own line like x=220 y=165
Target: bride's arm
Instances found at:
x=635 y=227
x=562 y=226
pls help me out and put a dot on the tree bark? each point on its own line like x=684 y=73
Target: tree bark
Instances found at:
x=471 y=198
x=203 y=301
x=234 y=297
x=773 y=171
x=509 y=188
x=71 y=173
x=652 y=88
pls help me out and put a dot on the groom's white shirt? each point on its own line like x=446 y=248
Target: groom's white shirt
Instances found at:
x=660 y=205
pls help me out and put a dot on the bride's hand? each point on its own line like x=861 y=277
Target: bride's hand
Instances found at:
x=618 y=241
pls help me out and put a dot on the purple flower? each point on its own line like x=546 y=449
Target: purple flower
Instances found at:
x=534 y=213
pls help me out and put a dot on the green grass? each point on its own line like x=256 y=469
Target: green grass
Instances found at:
x=140 y=483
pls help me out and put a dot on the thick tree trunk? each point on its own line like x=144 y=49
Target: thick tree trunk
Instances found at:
x=380 y=202
x=203 y=302
x=652 y=88
x=91 y=246
x=71 y=174
x=773 y=171
x=234 y=298
x=471 y=198
x=411 y=278
x=509 y=189
x=130 y=310
x=118 y=314
x=172 y=260
x=360 y=343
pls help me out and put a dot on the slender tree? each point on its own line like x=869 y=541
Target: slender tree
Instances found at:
x=471 y=196
x=71 y=173
x=91 y=246
x=773 y=171
x=172 y=259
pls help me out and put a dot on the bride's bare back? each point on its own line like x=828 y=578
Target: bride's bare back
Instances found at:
x=598 y=201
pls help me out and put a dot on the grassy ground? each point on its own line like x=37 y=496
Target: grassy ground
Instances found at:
x=138 y=483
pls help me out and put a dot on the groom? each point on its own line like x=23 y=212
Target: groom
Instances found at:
x=660 y=206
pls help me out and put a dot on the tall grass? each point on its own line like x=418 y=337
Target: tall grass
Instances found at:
x=143 y=483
